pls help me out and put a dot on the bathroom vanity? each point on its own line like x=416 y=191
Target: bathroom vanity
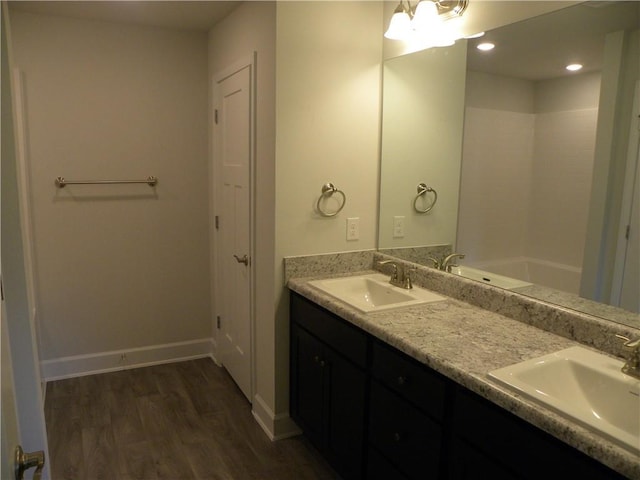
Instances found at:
x=405 y=394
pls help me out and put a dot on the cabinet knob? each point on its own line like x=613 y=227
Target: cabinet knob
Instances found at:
x=402 y=380
x=316 y=359
x=396 y=437
x=322 y=363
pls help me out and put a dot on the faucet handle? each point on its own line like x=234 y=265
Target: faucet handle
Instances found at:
x=436 y=262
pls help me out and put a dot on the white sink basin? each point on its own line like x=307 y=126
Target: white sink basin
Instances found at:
x=373 y=292
x=488 y=278
x=585 y=386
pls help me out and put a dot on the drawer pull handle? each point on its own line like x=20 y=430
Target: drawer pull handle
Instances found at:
x=402 y=380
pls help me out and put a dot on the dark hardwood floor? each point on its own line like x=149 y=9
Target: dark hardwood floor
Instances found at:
x=177 y=421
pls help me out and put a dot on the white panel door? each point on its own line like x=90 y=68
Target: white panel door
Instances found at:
x=233 y=153
x=22 y=409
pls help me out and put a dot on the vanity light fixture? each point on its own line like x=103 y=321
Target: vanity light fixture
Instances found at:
x=425 y=18
x=574 y=67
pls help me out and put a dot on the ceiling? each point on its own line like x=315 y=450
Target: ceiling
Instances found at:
x=539 y=48
x=191 y=15
x=534 y=49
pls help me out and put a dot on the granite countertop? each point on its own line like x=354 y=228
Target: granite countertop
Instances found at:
x=464 y=343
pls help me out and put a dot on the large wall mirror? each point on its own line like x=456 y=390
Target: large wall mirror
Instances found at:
x=531 y=171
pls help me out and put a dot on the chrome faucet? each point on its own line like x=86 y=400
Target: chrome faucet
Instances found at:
x=399 y=277
x=632 y=366
x=446 y=264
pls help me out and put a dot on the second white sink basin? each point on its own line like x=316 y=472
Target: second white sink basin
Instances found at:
x=373 y=292
x=585 y=386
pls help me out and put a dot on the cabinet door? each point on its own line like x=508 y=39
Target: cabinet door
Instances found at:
x=467 y=463
x=345 y=400
x=306 y=384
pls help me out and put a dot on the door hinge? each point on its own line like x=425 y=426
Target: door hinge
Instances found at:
x=627 y=232
x=218 y=322
x=217 y=220
x=216 y=116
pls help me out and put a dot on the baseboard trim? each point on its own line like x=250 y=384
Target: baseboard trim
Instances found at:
x=277 y=427
x=91 y=364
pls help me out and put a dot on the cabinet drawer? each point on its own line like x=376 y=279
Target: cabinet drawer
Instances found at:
x=409 y=439
x=348 y=340
x=410 y=379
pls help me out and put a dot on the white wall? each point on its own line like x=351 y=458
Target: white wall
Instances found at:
x=251 y=28
x=533 y=151
x=118 y=267
x=564 y=144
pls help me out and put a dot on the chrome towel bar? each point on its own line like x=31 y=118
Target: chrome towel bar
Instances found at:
x=61 y=182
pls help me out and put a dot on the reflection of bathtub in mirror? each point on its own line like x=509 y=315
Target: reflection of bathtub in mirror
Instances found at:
x=489 y=278
x=565 y=278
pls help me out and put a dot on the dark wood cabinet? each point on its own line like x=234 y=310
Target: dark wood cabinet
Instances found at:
x=376 y=413
x=490 y=442
x=329 y=385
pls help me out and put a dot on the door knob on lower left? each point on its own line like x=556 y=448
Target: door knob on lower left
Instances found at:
x=24 y=461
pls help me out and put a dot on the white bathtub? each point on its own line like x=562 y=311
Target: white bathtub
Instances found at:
x=488 y=278
x=533 y=271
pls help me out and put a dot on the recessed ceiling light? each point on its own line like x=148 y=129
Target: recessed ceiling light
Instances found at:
x=485 y=47
x=574 y=67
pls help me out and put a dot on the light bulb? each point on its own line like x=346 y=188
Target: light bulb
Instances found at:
x=399 y=26
x=426 y=15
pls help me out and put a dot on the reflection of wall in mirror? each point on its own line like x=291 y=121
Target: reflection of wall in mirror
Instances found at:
x=526 y=176
x=423 y=106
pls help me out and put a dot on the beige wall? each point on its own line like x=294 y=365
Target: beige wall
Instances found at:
x=118 y=267
x=327 y=117
x=419 y=108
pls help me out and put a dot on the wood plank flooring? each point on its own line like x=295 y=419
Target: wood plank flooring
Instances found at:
x=178 y=421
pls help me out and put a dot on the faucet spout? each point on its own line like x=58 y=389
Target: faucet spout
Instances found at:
x=446 y=264
x=399 y=277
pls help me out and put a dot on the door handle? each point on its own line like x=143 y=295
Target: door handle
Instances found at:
x=244 y=259
x=25 y=461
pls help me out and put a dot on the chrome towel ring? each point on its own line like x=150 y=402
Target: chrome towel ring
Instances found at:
x=423 y=190
x=329 y=189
